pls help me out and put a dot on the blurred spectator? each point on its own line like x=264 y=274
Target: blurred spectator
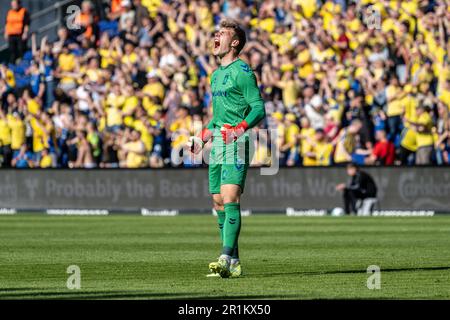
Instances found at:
x=442 y=135
x=133 y=150
x=46 y=159
x=110 y=158
x=5 y=140
x=321 y=149
x=394 y=109
x=424 y=136
x=84 y=158
x=16 y=30
x=23 y=158
x=306 y=137
x=384 y=151
x=290 y=146
x=346 y=143
x=262 y=155
x=86 y=19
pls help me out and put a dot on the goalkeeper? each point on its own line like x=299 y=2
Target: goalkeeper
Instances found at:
x=237 y=107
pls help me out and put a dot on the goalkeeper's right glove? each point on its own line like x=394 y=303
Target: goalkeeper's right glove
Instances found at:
x=196 y=143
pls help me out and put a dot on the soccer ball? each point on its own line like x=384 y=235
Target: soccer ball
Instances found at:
x=337 y=212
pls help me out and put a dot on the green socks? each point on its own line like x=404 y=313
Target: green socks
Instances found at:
x=231 y=228
x=235 y=253
x=220 y=221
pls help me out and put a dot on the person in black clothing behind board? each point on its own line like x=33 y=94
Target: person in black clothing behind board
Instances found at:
x=360 y=186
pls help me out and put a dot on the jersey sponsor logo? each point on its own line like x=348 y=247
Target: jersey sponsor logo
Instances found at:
x=219 y=93
x=245 y=67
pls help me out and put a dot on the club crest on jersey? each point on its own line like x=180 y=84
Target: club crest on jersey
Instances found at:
x=225 y=79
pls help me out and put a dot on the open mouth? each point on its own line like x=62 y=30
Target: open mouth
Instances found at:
x=216 y=43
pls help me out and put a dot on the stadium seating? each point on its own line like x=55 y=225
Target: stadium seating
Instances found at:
x=328 y=66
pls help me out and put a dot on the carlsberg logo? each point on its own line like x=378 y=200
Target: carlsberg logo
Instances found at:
x=423 y=190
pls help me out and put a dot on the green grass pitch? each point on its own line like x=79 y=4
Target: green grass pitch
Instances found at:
x=134 y=257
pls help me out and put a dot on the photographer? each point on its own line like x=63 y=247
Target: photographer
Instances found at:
x=360 y=186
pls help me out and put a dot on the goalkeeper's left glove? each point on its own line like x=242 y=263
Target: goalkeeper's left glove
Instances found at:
x=231 y=134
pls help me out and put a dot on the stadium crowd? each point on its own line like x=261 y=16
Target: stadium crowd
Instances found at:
x=343 y=81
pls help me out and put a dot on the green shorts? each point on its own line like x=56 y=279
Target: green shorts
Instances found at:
x=228 y=164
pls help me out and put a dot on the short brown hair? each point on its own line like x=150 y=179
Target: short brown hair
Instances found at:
x=239 y=33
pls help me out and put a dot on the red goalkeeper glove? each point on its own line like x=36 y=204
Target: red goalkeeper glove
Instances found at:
x=231 y=134
x=205 y=135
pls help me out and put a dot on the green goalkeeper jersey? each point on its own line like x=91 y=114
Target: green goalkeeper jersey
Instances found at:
x=235 y=96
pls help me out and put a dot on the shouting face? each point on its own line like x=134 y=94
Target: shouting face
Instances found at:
x=223 y=42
